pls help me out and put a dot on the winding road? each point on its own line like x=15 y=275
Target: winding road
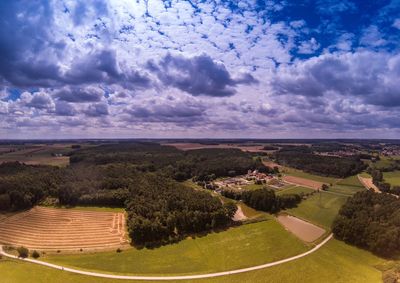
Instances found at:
x=166 y=278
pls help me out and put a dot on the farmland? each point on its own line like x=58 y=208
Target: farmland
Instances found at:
x=63 y=229
x=298 y=173
x=44 y=154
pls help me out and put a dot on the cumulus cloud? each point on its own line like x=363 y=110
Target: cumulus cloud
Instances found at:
x=308 y=47
x=370 y=76
x=63 y=108
x=167 y=110
x=134 y=67
x=198 y=75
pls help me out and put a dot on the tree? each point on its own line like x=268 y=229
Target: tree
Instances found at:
x=23 y=252
x=324 y=187
x=5 y=202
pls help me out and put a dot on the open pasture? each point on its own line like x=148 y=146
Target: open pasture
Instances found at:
x=238 y=247
x=64 y=229
x=393 y=178
x=320 y=208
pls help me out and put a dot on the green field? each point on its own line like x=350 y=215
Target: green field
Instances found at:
x=384 y=162
x=302 y=174
x=295 y=190
x=243 y=246
x=335 y=262
x=349 y=185
x=320 y=208
x=392 y=178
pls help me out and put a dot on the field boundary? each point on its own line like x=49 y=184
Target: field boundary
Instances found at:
x=166 y=278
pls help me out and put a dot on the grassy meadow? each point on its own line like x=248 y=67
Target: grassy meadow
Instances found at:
x=349 y=185
x=320 y=208
x=334 y=262
x=243 y=246
x=295 y=190
x=392 y=178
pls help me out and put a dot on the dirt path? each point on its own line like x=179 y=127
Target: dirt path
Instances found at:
x=315 y=185
x=165 y=278
x=304 y=230
x=239 y=215
x=368 y=184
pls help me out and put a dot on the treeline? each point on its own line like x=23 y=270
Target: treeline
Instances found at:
x=301 y=158
x=264 y=199
x=23 y=186
x=371 y=221
x=203 y=164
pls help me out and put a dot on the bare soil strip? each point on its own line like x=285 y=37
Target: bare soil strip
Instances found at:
x=303 y=182
x=239 y=215
x=303 y=230
x=63 y=229
x=368 y=184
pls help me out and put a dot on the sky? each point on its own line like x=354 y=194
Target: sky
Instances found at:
x=199 y=69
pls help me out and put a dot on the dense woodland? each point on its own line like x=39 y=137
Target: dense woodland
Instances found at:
x=143 y=178
x=303 y=158
x=264 y=199
x=371 y=221
x=179 y=165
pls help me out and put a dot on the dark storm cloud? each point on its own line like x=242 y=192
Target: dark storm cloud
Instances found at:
x=97 y=110
x=30 y=54
x=372 y=77
x=102 y=67
x=23 y=34
x=199 y=75
x=80 y=94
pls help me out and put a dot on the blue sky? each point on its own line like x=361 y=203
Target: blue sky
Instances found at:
x=200 y=69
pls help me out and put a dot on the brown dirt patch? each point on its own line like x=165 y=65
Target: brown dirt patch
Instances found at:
x=368 y=184
x=271 y=164
x=304 y=230
x=303 y=182
x=64 y=229
x=239 y=215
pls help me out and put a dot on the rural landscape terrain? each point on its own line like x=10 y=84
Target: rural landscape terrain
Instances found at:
x=202 y=210
x=202 y=141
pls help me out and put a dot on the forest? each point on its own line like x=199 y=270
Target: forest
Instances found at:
x=142 y=178
x=264 y=199
x=304 y=159
x=370 y=221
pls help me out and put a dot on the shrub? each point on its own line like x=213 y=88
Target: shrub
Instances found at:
x=35 y=254
x=23 y=252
